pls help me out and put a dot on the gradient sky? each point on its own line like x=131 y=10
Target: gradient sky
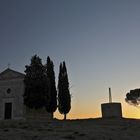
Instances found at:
x=98 y=39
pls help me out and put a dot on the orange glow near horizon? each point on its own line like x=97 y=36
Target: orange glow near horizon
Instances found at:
x=127 y=110
x=91 y=107
x=131 y=112
x=127 y=114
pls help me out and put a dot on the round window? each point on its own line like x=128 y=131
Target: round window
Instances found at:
x=8 y=90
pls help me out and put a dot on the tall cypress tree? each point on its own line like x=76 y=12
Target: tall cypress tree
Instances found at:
x=35 y=84
x=51 y=105
x=64 y=98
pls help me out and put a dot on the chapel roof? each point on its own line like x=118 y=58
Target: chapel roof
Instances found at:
x=10 y=74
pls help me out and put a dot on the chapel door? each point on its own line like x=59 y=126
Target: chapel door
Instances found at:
x=8 y=111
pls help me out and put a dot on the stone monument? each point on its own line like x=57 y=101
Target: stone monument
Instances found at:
x=111 y=109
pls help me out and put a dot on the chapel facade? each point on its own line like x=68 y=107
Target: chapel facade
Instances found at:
x=11 y=95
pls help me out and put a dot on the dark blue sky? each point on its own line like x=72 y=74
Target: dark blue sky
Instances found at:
x=98 y=39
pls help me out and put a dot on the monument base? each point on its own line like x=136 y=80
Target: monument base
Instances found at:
x=111 y=110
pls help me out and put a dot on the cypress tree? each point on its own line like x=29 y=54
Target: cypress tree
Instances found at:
x=51 y=105
x=64 y=98
x=35 y=84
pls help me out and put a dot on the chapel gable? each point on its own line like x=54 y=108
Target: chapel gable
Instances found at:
x=11 y=74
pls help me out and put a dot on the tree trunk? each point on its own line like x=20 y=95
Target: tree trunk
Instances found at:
x=52 y=115
x=65 y=116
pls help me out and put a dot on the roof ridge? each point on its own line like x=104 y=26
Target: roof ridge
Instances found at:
x=8 y=69
x=10 y=74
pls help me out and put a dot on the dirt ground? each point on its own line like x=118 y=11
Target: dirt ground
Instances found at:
x=85 y=129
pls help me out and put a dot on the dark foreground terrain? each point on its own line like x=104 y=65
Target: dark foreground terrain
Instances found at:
x=88 y=129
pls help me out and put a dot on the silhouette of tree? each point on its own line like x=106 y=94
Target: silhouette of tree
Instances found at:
x=35 y=84
x=64 y=98
x=133 y=97
x=51 y=104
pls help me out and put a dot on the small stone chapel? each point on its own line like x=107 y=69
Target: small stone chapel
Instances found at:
x=11 y=95
x=11 y=98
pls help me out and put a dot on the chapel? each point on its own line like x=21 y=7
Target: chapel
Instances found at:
x=11 y=95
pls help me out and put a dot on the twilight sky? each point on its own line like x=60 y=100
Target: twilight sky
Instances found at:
x=98 y=39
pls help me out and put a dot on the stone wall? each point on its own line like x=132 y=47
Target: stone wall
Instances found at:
x=37 y=114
